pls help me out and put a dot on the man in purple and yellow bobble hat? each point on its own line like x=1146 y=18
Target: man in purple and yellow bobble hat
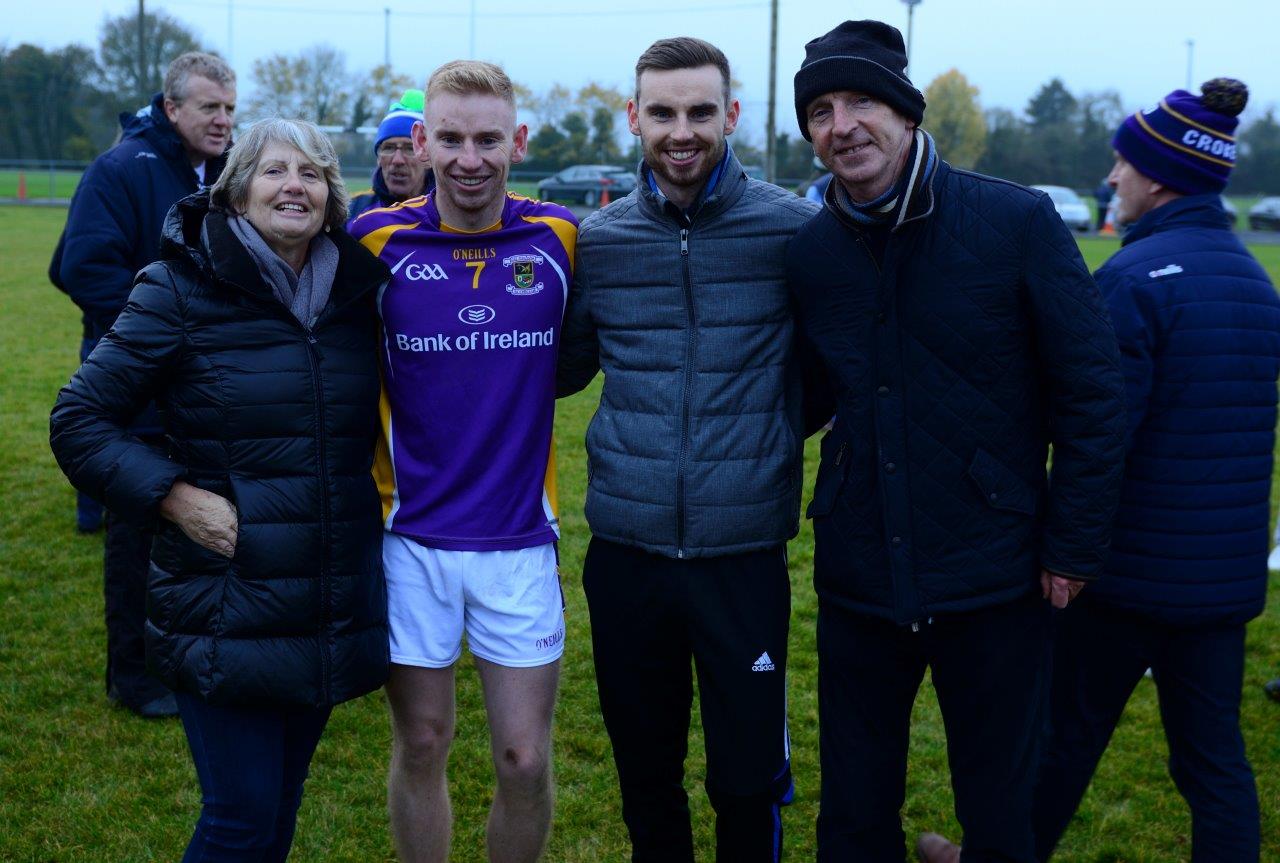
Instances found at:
x=1198 y=323
x=400 y=174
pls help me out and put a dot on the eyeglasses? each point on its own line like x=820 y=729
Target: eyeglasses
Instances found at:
x=389 y=150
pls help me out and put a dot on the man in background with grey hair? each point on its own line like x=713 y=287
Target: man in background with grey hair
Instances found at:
x=174 y=146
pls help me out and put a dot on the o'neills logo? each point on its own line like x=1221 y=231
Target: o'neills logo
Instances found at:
x=549 y=641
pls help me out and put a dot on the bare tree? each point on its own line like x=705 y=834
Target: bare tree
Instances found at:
x=595 y=95
x=275 y=90
x=549 y=108
x=136 y=75
x=314 y=86
x=381 y=86
x=324 y=84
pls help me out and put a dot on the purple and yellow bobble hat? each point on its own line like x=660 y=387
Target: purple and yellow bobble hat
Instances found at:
x=400 y=118
x=1187 y=142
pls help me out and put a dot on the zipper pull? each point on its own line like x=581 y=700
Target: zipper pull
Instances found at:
x=840 y=454
x=684 y=241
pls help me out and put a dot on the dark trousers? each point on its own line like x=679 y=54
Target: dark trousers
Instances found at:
x=1100 y=655
x=989 y=670
x=651 y=618
x=126 y=558
x=252 y=763
x=88 y=510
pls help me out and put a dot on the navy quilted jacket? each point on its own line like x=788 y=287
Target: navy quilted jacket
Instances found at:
x=982 y=341
x=116 y=219
x=1199 y=329
x=118 y=212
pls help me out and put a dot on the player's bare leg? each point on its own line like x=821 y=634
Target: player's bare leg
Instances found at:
x=422 y=726
x=520 y=703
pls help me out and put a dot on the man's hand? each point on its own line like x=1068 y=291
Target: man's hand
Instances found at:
x=1059 y=590
x=207 y=518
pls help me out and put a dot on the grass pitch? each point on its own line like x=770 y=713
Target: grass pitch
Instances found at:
x=82 y=781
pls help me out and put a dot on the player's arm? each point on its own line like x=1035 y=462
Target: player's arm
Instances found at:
x=579 y=344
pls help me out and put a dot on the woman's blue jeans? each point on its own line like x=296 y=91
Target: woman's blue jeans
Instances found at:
x=252 y=763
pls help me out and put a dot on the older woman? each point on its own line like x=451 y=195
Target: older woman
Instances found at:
x=256 y=334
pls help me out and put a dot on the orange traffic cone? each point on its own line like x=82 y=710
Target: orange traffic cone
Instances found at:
x=605 y=183
x=22 y=186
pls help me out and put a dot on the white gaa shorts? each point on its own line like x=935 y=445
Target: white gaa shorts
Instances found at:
x=508 y=602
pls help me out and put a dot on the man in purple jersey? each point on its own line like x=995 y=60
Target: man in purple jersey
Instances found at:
x=471 y=319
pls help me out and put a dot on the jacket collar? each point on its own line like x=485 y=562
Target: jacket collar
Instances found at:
x=1191 y=211
x=226 y=261
x=731 y=185
x=150 y=124
x=383 y=194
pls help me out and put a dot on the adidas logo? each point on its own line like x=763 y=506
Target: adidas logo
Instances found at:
x=764 y=663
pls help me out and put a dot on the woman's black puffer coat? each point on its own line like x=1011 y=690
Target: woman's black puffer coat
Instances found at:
x=280 y=420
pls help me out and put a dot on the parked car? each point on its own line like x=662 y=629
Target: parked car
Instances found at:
x=1073 y=210
x=582 y=184
x=1265 y=215
x=1230 y=209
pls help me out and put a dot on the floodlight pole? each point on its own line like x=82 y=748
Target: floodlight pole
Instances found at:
x=911 y=14
x=1191 y=54
x=473 y=30
x=386 y=36
x=770 y=128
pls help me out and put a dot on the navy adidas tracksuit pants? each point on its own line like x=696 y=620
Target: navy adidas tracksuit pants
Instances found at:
x=652 y=618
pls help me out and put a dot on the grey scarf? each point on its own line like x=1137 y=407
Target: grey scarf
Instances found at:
x=304 y=294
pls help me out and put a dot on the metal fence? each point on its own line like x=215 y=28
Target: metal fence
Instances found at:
x=42 y=181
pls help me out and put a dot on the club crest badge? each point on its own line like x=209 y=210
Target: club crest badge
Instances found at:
x=523 y=272
x=524 y=277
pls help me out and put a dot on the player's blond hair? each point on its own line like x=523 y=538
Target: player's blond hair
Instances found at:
x=467 y=77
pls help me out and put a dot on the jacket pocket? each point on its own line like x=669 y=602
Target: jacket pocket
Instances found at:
x=1000 y=487
x=833 y=468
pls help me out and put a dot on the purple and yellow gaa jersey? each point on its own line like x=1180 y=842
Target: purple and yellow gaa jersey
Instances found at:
x=470 y=331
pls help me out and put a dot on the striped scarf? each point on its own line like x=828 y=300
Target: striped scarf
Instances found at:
x=891 y=208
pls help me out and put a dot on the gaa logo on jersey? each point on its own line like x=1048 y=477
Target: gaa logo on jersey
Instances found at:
x=522 y=274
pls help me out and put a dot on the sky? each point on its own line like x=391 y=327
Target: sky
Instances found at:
x=1007 y=48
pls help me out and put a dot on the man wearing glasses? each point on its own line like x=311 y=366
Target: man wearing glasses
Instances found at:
x=400 y=174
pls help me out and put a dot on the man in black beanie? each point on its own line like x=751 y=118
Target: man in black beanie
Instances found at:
x=962 y=337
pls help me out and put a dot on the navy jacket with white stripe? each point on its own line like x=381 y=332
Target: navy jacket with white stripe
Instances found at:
x=1198 y=323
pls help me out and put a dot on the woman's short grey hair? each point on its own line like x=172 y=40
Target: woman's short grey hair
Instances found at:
x=232 y=188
